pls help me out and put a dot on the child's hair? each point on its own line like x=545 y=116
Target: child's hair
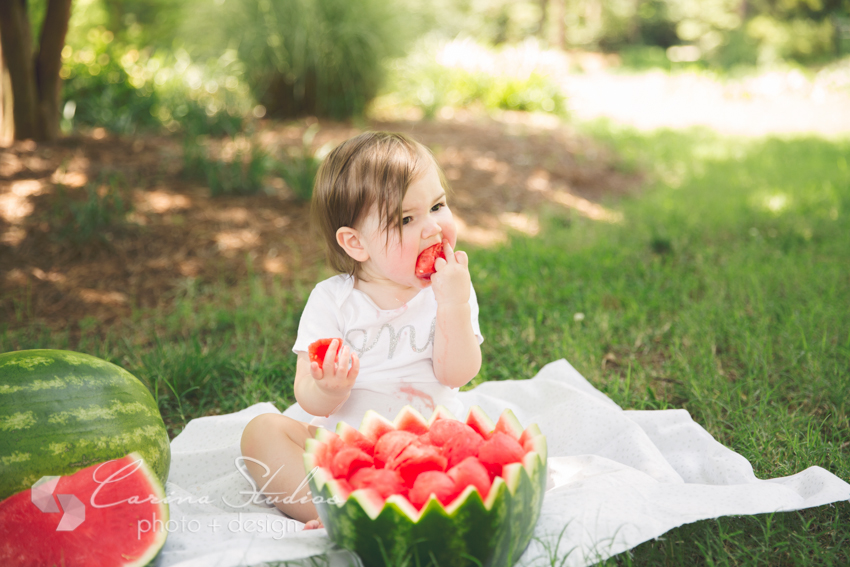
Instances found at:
x=374 y=168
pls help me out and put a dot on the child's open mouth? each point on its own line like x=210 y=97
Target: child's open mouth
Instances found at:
x=426 y=260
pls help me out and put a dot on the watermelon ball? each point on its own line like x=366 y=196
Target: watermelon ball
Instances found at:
x=348 y=461
x=319 y=349
x=383 y=481
x=461 y=446
x=415 y=460
x=471 y=471
x=437 y=483
x=500 y=450
x=354 y=438
x=391 y=444
x=444 y=429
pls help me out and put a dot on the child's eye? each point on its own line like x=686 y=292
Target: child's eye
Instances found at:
x=406 y=220
x=437 y=207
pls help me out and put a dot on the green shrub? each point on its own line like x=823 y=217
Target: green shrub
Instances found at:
x=125 y=90
x=301 y=56
x=422 y=81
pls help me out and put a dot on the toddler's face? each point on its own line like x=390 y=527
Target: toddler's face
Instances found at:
x=427 y=220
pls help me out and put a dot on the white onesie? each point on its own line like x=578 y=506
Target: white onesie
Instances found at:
x=395 y=348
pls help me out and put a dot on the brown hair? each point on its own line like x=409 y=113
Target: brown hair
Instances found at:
x=372 y=168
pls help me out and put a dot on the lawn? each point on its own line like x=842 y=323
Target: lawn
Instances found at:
x=724 y=290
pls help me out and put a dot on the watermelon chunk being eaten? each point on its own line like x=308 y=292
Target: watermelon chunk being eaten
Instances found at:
x=427 y=259
x=110 y=514
x=449 y=492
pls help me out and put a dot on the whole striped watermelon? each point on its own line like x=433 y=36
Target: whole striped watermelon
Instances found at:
x=438 y=492
x=62 y=411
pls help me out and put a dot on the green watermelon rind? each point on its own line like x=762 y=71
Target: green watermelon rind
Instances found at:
x=446 y=535
x=52 y=422
x=158 y=491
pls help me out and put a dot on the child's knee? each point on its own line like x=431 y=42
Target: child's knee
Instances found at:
x=266 y=428
x=259 y=428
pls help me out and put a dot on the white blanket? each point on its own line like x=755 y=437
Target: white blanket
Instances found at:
x=616 y=479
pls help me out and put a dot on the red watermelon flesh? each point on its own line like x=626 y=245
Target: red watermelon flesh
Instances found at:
x=416 y=459
x=118 y=532
x=471 y=471
x=499 y=450
x=318 y=349
x=433 y=482
x=348 y=461
x=384 y=481
x=460 y=447
x=391 y=444
x=444 y=429
x=427 y=259
x=444 y=460
x=478 y=426
x=351 y=436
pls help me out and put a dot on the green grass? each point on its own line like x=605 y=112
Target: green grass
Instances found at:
x=725 y=291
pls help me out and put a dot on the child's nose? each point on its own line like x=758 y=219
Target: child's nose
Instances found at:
x=430 y=229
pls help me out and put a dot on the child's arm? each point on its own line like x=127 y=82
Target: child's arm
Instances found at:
x=321 y=391
x=457 y=354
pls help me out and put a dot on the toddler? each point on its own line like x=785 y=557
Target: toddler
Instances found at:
x=379 y=200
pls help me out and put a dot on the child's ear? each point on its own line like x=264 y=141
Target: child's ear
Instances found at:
x=349 y=239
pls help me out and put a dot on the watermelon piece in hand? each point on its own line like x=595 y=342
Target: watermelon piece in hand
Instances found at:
x=319 y=349
x=427 y=259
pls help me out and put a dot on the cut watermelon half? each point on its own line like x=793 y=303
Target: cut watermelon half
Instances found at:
x=438 y=491
x=105 y=515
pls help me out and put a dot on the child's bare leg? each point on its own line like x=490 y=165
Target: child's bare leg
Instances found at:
x=277 y=442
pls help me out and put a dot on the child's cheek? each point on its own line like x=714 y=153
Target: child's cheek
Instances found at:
x=449 y=230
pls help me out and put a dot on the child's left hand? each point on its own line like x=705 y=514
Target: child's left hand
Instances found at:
x=451 y=282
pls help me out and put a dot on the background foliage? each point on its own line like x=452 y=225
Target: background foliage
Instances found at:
x=203 y=66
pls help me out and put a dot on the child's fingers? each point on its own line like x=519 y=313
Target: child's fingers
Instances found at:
x=449 y=252
x=330 y=356
x=462 y=258
x=342 y=366
x=355 y=366
x=315 y=371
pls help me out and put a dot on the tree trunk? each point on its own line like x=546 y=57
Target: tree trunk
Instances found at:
x=17 y=53
x=49 y=63
x=7 y=132
x=34 y=80
x=541 y=23
x=559 y=15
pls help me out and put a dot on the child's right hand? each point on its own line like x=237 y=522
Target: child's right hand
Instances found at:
x=336 y=375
